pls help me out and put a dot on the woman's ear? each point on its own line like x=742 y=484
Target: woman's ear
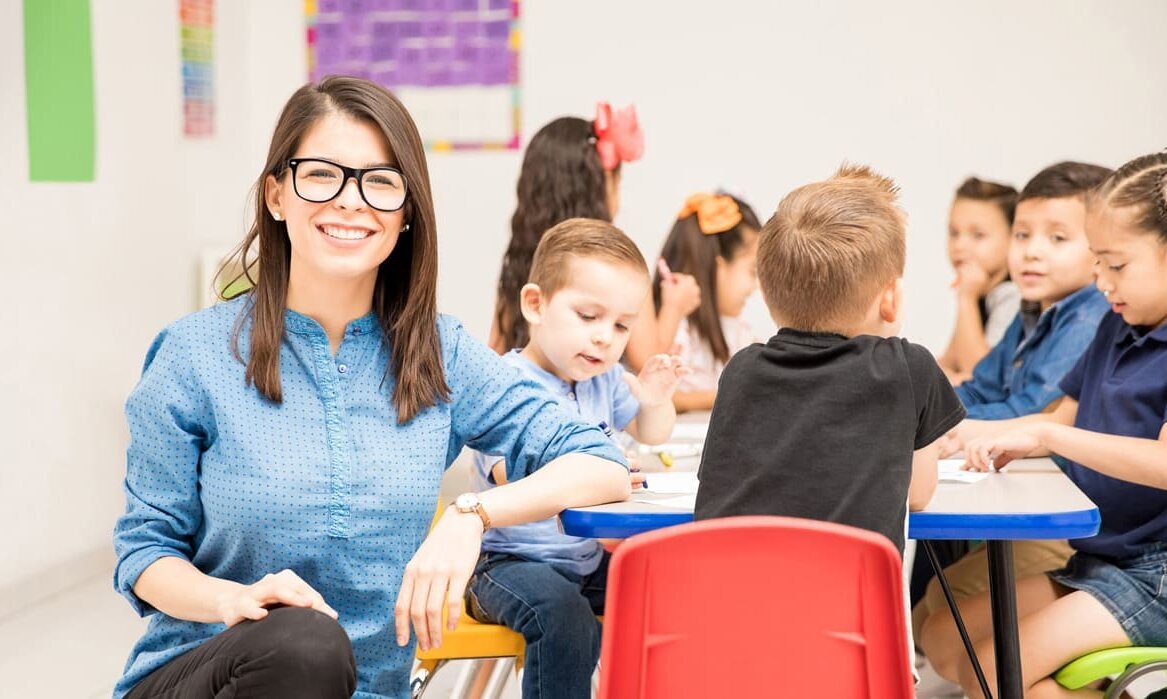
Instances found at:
x=273 y=193
x=531 y=303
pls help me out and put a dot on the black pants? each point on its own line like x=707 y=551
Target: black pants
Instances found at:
x=291 y=653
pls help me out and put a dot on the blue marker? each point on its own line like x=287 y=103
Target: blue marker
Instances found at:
x=608 y=431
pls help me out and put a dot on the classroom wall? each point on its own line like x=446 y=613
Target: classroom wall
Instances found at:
x=753 y=97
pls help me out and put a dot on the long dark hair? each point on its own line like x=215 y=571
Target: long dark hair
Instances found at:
x=405 y=296
x=561 y=178
x=690 y=251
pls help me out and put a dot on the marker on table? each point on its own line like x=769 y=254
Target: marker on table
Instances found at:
x=608 y=431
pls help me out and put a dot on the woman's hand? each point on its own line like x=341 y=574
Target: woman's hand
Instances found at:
x=285 y=587
x=436 y=578
x=994 y=453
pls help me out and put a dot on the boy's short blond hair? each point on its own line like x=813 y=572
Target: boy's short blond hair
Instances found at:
x=580 y=237
x=829 y=248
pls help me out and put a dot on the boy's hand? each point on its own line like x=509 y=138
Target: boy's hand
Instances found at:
x=634 y=475
x=994 y=453
x=657 y=380
x=971 y=279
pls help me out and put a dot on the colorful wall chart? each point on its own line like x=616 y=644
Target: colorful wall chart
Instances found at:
x=198 y=94
x=454 y=63
x=58 y=76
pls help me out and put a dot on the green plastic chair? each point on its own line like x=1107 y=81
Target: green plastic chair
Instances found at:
x=1128 y=663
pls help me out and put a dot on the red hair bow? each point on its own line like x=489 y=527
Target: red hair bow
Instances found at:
x=618 y=135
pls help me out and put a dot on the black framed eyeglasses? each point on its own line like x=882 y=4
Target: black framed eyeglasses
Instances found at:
x=318 y=181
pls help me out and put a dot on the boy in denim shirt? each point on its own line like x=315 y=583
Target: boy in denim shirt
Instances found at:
x=1051 y=263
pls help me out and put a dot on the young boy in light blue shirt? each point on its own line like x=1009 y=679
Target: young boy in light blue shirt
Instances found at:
x=588 y=281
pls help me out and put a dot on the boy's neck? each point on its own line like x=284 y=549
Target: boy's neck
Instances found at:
x=535 y=355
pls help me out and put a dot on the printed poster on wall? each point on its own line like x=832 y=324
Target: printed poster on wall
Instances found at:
x=454 y=63
x=198 y=95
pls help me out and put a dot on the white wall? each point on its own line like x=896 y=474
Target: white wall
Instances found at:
x=757 y=98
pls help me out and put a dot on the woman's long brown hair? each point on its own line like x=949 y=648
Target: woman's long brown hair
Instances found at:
x=405 y=296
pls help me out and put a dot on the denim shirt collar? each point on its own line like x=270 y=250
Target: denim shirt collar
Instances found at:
x=1039 y=322
x=301 y=324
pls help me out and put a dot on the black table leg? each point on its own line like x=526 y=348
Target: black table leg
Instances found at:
x=1003 y=596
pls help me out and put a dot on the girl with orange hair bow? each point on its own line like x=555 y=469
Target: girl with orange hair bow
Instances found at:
x=705 y=274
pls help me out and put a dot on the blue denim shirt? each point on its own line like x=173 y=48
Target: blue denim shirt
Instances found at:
x=1020 y=375
x=327 y=483
x=600 y=399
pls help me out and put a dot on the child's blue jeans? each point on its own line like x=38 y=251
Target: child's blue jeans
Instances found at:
x=555 y=612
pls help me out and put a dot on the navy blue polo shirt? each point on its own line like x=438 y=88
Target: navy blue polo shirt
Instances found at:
x=1120 y=384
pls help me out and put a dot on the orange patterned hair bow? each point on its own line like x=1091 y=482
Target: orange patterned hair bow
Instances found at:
x=618 y=135
x=716 y=213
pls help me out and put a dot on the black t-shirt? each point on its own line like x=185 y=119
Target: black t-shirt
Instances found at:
x=823 y=426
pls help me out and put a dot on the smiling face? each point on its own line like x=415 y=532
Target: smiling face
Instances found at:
x=1132 y=265
x=1050 y=258
x=344 y=239
x=580 y=330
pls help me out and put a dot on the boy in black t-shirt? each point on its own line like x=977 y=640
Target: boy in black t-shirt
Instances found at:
x=833 y=419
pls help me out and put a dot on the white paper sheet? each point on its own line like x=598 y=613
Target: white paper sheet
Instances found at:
x=678 y=483
x=682 y=502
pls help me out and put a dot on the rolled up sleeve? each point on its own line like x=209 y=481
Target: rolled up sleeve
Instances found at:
x=167 y=421
x=497 y=411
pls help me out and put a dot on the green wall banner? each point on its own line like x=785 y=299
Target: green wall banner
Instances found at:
x=58 y=77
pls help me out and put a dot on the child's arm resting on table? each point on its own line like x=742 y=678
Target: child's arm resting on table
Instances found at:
x=976 y=438
x=924 y=476
x=1133 y=459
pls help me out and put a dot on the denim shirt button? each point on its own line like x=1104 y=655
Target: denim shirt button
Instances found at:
x=343 y=368
x=1017 y=363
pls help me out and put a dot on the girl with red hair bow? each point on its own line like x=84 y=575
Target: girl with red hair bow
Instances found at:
x=571 y=170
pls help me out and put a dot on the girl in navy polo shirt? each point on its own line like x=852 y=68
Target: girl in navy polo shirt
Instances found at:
x=1110 y=432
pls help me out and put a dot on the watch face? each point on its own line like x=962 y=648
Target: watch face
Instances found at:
x=466 y=501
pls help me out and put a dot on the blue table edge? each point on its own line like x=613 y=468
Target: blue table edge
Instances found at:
x=1073 y=524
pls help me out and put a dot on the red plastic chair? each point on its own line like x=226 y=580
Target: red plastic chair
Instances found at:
x=752 y=607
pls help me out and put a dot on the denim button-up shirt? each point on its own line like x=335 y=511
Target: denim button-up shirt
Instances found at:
x=1020 y=375
x=327 y=483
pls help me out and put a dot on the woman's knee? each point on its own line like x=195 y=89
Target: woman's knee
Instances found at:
x=307 y=642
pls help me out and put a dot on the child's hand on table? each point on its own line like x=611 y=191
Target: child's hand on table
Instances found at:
x=994 y=453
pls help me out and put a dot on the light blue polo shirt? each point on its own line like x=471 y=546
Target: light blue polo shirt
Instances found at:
x=603 y=399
